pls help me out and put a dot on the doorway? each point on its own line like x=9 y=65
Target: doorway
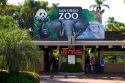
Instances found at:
x=92 y=60
x=51 y=59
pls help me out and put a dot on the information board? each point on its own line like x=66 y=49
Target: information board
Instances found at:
x=71 y=59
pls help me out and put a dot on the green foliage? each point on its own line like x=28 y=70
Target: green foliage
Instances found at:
x=115 y=26
x=44 y=4
x=87 y=15
x=3 y=2
x=3 y=76
x=97 y=8
x=28 y=11
x=36 y=26
x=8 y=10
x=31 y=75
x=99 y=3
x=2 y=62
x=22 y=77
x=19 y=51
x=54 y=14
x=54 y=5
x=27 y=16
x=71 y=68
x=7 y=22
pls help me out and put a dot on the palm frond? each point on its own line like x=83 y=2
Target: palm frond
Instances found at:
x=106 y=6
x=93 y=6
x=99 y=2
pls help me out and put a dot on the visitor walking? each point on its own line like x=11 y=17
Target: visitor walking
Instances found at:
x=87 y=64
x=97 y=65
x=92 y=62
x=102 y=64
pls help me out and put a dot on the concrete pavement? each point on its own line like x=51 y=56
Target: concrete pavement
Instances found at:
x=86 y=78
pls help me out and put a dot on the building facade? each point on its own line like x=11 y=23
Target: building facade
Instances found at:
x=68 y=35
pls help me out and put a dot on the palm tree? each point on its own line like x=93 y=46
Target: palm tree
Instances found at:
x=97 y=8
x=111 y=20
x=28 y=11
x=44 y=5
x=54 y=6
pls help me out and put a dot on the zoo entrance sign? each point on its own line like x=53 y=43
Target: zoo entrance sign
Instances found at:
x=69 y=12
x=64 y=22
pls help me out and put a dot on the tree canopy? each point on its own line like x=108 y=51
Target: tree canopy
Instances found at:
x=7 y=22
x=113 y=25
x=3 y=2
x=97 y=8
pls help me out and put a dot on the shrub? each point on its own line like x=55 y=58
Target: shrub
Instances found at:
x=22 y=77
x=19 y=51
x=31 y=75
x=3 y=76
x=65 y=67
x=2 y=62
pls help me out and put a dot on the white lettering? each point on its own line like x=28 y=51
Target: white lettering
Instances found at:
x=75 y=15
x=67 y=16
x=61 y=16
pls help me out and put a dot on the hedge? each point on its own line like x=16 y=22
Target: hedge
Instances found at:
x=71 y=68
x=22 y=77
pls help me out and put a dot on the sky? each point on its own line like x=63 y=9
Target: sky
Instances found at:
x=117 y=7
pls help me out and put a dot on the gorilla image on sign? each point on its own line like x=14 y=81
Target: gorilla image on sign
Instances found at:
x=95 y=30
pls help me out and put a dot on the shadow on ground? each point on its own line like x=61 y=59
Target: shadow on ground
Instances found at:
x=103 y=76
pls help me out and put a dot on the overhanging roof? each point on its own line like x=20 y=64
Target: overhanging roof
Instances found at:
x=84 y=43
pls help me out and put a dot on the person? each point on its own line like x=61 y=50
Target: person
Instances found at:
x=92 y=62
x=87 y=64
x=102 y=64
x=52 y=63
x=97 y=64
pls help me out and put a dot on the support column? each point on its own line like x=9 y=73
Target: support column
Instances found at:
x=101 y=54
x=42 y=60
x=60 y=58
x=124 y=60
x=97 y=51
x=83 y=59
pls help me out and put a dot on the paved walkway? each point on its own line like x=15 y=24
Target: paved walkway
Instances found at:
x=86 y=78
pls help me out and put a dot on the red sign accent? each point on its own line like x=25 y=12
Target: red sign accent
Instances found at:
x=65 y=51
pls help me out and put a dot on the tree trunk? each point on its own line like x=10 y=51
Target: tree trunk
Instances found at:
x=13 y=70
